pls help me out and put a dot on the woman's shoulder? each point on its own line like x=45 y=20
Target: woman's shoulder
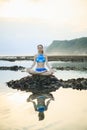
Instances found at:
x=45 y=55
x=35 y=55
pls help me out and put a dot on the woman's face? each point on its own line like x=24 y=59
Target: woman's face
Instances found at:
x=40 y=48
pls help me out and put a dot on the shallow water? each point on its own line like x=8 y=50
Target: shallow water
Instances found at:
x=69 y=63
x=67 y=112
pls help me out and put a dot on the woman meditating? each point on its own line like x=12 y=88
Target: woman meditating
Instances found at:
x=40 y=60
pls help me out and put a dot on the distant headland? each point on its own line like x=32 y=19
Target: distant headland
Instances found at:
x=76 y=46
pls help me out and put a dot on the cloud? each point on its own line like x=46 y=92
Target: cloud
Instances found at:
x=42 y=21
x=1 y=1
x=20 y=36
x=50 y=10
x=36 y=1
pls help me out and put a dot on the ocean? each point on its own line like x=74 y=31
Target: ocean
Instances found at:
x=68 y=110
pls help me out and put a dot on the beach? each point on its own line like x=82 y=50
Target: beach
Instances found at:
x=66 y=112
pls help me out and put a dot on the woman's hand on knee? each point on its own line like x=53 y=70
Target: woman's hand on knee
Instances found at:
x=52 y=70
x=28 y=69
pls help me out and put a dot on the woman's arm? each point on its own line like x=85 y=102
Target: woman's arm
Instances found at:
x=47 y=63
x=35 y=106
x=50 y=68
x=51 y=98
x=34 y=62
x=30 y=99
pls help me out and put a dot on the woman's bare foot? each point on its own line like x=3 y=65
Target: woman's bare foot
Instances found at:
x=47 y=73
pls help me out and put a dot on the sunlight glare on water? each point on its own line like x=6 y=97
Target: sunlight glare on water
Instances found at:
x=68 y=111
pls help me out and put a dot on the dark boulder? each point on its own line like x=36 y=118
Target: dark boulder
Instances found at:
x=46 y=84
x=79 y=84
x=13 y=68
x=36 y=83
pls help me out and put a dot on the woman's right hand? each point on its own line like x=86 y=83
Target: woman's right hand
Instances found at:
x=27 y=69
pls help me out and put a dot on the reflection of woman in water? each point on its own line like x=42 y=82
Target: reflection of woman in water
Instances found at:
x=40 y=59
x=41 y=105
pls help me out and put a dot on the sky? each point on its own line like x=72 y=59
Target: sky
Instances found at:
x=26 y=23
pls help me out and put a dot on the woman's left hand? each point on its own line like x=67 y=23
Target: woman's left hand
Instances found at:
x=52 y=70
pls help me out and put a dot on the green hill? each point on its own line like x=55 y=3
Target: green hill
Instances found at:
x=68 y=47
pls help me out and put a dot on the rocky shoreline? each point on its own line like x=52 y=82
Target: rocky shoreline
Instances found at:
x=16 y=68
x=50 y=58
x=13 y=68
x=71 y=68
x=46 y=84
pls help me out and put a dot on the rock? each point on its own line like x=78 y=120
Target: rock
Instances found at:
x=45 y=84
x=79 y=84
x=13 y=68
x=70 y=68
x=36 y=83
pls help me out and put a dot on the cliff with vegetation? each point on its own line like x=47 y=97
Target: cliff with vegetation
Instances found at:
x=68 y=47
